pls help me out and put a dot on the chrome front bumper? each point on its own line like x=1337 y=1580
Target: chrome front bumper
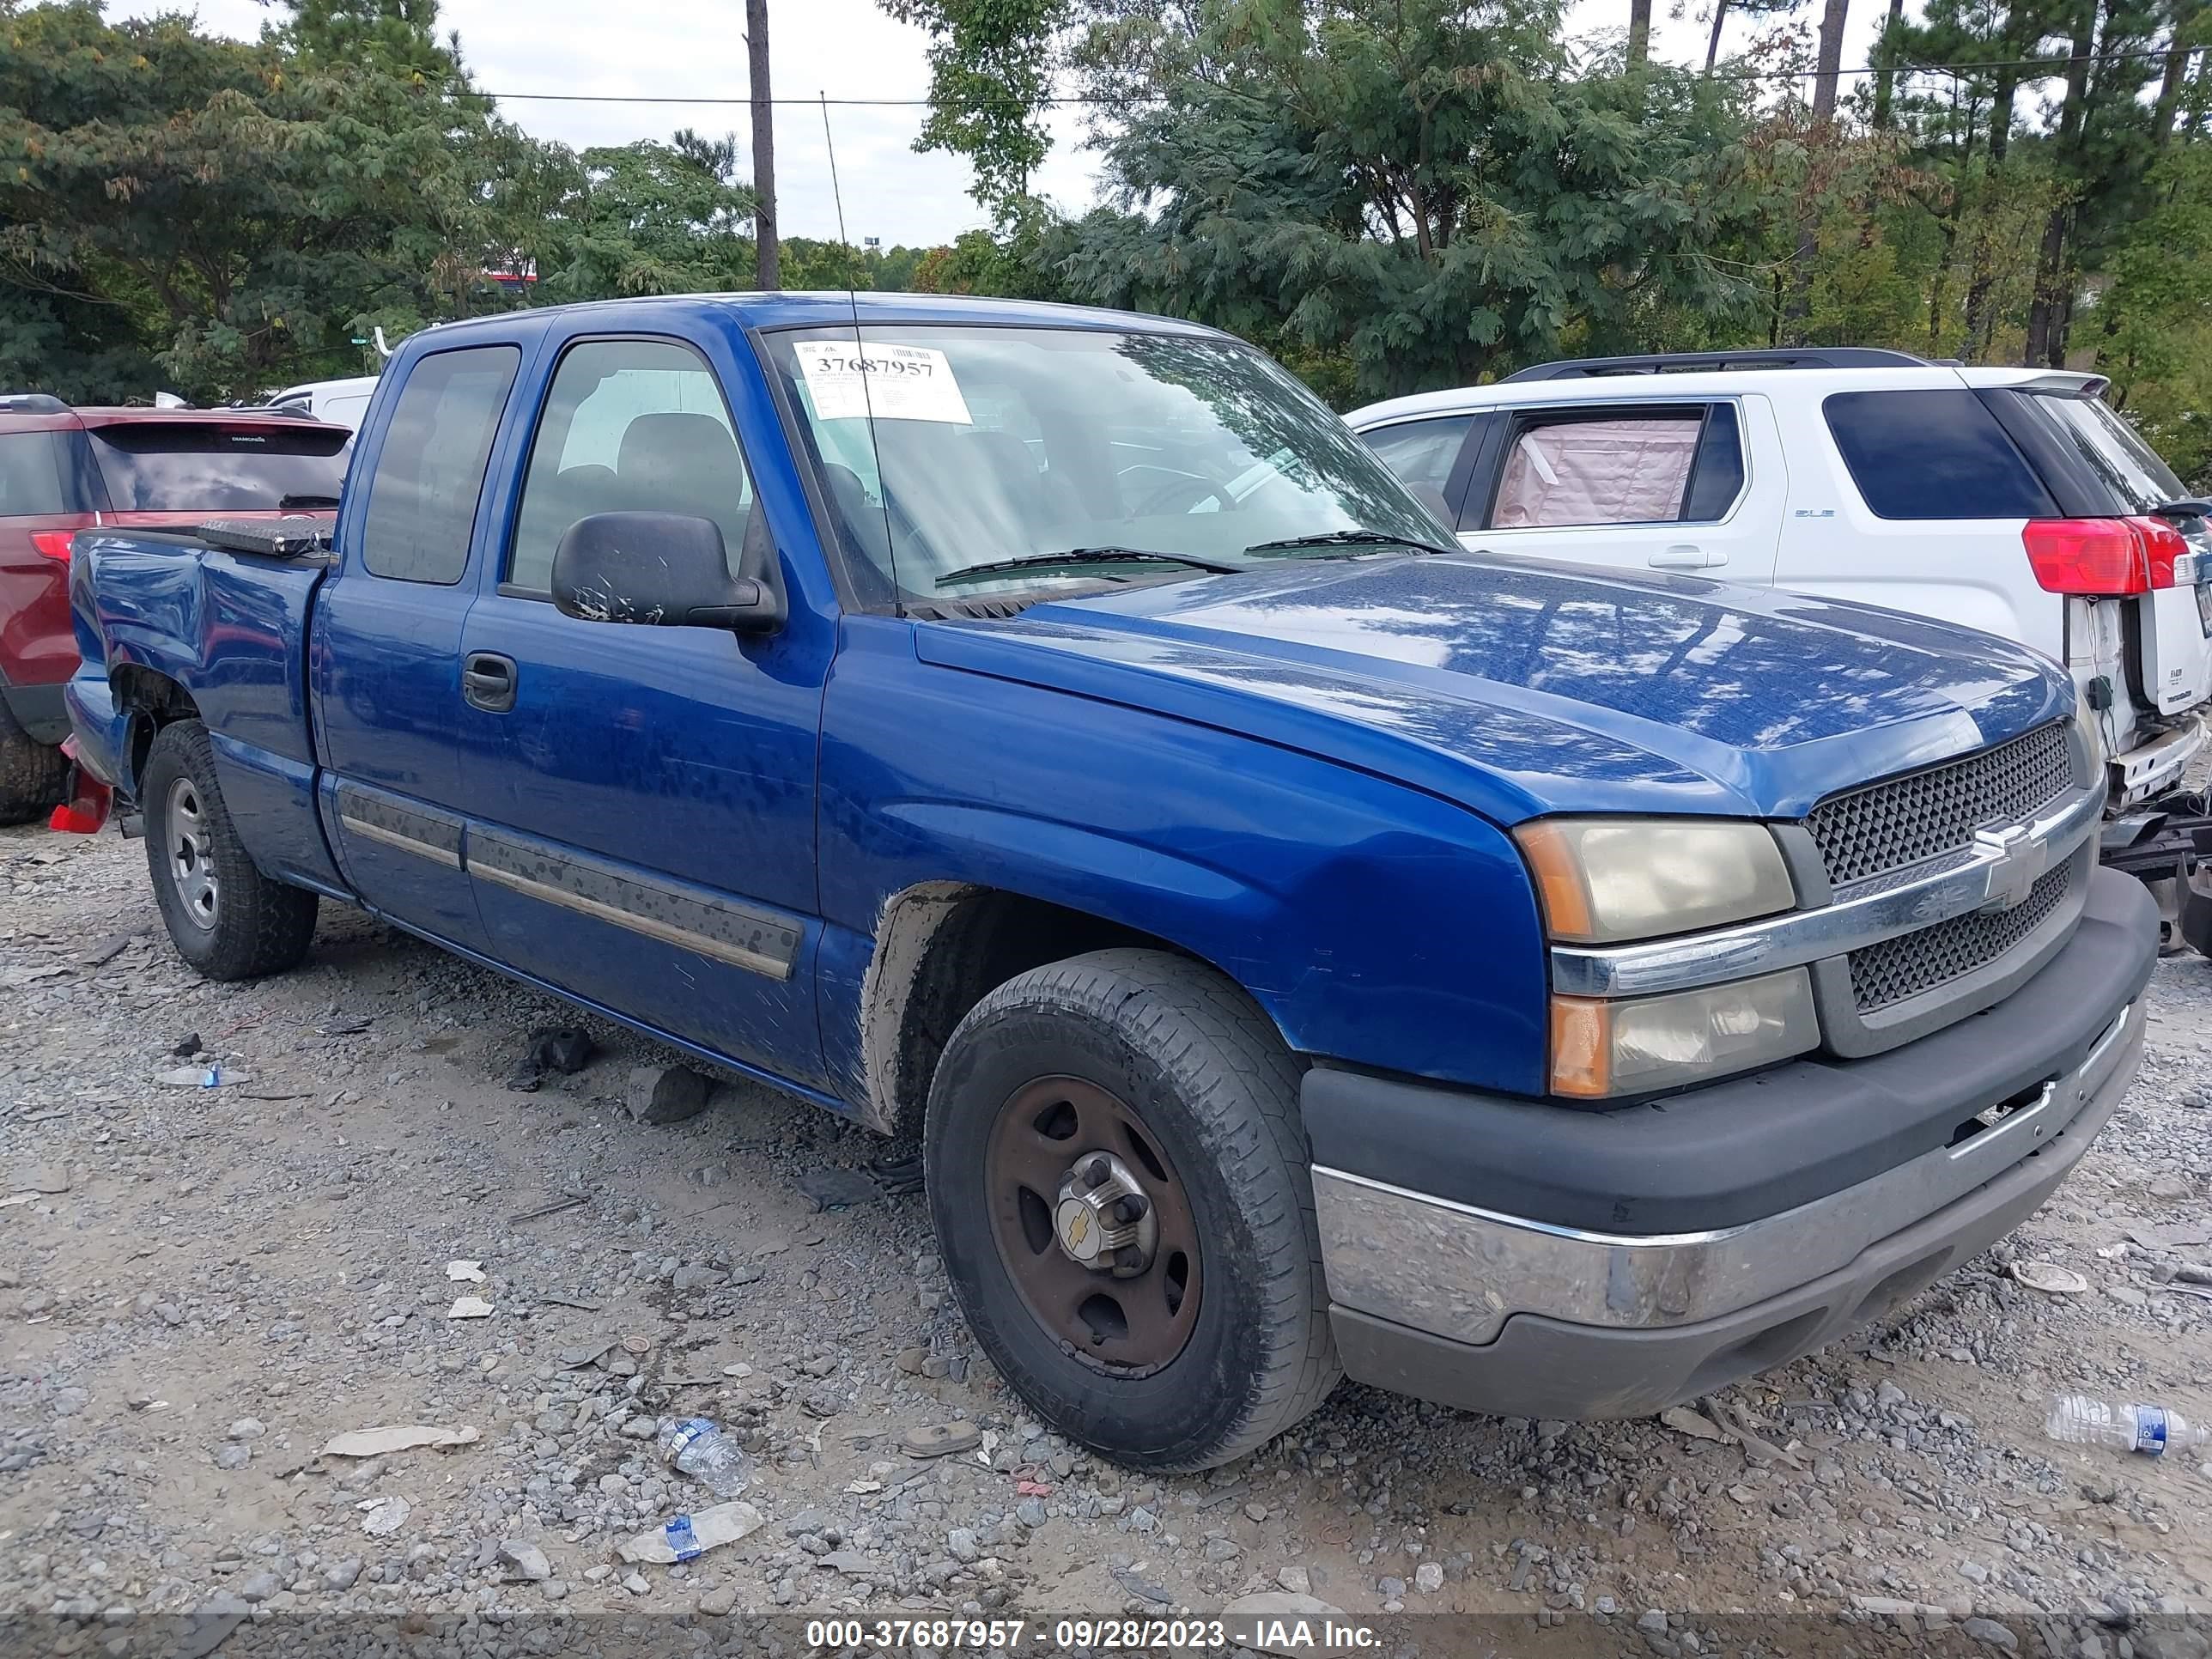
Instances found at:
x=1458 y=1272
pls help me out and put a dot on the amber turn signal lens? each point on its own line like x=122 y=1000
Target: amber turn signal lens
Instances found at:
x=1582 y=1048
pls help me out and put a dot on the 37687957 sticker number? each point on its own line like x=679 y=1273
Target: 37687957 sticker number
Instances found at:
x=848 y=380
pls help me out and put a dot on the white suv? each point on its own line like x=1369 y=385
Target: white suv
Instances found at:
x=2009 y=500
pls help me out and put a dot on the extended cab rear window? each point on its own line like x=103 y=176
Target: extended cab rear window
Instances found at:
x=1935 y=454
x=157 y=466
x=422 y=493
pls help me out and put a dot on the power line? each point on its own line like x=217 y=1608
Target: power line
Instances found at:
x=2046 y=65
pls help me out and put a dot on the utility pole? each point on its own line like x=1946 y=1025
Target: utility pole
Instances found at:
x=764 y=237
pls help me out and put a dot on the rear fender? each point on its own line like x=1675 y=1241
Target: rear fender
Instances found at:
x=180 y=631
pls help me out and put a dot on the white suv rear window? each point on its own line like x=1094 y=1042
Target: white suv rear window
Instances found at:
x=1933 y=454
x=2109 y=447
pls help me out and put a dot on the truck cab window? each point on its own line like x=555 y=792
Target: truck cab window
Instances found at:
x=629 y=426
x=431 y=470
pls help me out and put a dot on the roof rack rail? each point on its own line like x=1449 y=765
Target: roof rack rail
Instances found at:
x=31 y=402
x=1688 y=362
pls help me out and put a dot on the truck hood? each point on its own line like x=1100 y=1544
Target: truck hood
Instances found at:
x=1520 y=687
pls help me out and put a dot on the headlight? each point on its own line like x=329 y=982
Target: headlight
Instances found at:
x=1602 y=1048
x=2091 y=725
x=1604 y=880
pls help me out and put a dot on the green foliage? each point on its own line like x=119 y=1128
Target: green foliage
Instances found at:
x=1425 y=187
x=396 y=36
x=1388 y=194
x=2153 y=325
x=1019 y=264
x=990 y=67
x=239 y=208
x=648 y=218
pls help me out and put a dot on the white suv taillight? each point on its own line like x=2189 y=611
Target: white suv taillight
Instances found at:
x=2103 y=558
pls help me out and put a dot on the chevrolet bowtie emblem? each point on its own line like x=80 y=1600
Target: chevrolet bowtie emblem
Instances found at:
x=2013 y=860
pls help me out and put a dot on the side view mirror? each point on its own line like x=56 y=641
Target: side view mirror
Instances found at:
x=665 y=570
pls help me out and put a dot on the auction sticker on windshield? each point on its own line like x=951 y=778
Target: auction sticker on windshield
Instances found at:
x=891 y=382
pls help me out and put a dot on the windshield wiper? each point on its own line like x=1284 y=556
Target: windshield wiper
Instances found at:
x=1075 y=556
x=1347 y=539
x=306 y=503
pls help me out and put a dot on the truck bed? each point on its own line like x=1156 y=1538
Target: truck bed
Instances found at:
x=231 y=629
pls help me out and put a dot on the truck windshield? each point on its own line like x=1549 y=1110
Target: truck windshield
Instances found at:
x=945 y=448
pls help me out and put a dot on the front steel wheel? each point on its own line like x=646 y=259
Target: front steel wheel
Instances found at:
x=1093 y=1226
x=1118 y=1176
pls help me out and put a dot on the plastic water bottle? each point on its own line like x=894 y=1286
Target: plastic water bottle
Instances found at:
x=2151 y=1430
x=695 y=1446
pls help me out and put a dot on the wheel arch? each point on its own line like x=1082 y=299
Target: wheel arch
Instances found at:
x=941 y=947
x=148 y=699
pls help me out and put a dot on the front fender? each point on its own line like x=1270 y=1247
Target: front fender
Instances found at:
x=1374 y=923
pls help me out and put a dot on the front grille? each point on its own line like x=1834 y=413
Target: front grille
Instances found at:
x=1886 y=826
x=1906 y=966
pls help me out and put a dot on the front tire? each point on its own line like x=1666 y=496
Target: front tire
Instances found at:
x=1139 y=1108
x=226 y=918
x=32 y=773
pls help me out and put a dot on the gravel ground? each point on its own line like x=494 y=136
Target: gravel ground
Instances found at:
x=202 y=1286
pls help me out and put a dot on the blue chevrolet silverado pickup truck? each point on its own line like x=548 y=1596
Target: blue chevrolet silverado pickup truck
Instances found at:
x=1301 y=947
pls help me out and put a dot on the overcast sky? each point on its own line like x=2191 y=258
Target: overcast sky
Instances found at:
x=849 y=48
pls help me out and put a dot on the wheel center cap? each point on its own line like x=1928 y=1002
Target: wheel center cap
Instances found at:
x=1080 y=1234
x=1103 y=1219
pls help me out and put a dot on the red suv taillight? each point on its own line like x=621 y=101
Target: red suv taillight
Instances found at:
x=2102 y=557
x=54 y=543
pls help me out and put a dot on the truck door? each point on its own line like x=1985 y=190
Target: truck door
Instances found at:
x=385 y=662
x=641 y=798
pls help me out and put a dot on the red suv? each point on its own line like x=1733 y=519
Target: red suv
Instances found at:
x=63 y=470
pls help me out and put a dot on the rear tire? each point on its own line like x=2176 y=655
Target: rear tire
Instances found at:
x=226 y=918
x=32 y=773
x=1147 y=1072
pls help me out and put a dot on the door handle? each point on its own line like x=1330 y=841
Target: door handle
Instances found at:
x=1685 y=555
x=487 y=682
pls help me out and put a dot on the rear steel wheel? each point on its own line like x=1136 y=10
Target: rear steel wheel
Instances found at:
x=190 y=840
x=224 y=916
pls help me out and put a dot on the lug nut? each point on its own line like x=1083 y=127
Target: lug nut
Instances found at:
x=1098 y=1172
x=1131 y=1208
x=1128 y=1258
